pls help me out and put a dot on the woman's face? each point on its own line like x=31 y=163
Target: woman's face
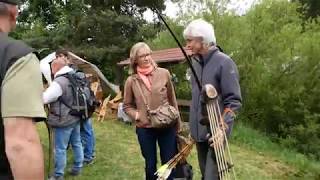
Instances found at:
x=143 y=59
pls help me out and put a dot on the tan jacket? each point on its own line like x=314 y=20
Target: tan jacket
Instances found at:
x=162 y=91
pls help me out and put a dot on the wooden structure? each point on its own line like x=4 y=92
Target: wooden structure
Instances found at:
x=109 y=107
x=85 y=66
x=99 y=84
x=172 y=56
x=92 y=69
x=103 y=110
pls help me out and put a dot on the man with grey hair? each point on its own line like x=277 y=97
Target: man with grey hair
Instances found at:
x=215 y=68
x=65 y=124
x=21 y=155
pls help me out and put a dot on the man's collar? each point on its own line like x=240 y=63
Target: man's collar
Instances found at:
x=63 y=70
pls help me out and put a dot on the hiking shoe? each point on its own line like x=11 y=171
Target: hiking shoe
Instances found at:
x=56 y=178
x=88 y=162
x=74 y=172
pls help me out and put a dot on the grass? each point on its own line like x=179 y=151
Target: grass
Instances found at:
x=255 y=156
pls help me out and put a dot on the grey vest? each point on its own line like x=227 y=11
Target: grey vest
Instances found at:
x=59 y=115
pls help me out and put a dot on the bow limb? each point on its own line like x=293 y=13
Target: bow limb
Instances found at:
x=180 y=46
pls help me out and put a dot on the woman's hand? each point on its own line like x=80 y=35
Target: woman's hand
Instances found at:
x=137 y=116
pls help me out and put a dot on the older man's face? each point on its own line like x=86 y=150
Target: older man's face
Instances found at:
x=194 y=44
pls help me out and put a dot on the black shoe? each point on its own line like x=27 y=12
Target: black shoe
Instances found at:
x=74 y=172
x=89 y=162
x=56 y=178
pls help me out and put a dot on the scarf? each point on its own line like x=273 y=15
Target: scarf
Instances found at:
x=144 y=75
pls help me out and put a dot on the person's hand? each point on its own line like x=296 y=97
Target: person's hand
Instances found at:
x=217 y=139
x=137 y=116
x=224 y=126
x=178 y=129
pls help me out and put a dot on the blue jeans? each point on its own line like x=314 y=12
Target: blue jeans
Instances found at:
x=167 y=142
x=64 y=135
x=88 y=139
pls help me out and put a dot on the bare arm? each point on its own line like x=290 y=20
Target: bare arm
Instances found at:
x=23 y=148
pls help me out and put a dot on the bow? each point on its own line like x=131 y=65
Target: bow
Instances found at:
x=180 y=46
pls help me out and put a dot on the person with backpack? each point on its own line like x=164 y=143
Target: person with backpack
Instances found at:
x=216 y=68
x=64 y=117
x=21 y=155
x=86 y=131
x=86 y=128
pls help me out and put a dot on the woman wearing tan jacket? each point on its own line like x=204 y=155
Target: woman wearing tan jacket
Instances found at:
x=157 y=89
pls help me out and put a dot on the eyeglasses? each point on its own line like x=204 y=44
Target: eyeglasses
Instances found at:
x=144 y=55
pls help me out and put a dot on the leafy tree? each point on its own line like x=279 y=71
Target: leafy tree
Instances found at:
x=103 y=31
x=277 y=53
x=310 y=9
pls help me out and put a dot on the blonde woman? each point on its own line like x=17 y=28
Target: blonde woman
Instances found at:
x=157 y=89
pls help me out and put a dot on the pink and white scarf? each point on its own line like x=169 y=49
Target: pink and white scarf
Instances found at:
x=144 y=75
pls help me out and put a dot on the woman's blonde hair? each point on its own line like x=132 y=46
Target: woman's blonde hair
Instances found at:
x=134 y=56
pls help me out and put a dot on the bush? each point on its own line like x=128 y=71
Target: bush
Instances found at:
x=277 y=53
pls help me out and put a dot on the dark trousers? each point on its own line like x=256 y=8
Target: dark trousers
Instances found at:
x=207 y=161
x=148 y=138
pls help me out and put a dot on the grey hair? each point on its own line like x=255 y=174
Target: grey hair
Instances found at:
x=203 y=29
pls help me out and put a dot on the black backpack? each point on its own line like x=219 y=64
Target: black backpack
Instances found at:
x=84 y=102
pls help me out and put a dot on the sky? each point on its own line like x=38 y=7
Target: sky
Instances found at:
x=241 y=6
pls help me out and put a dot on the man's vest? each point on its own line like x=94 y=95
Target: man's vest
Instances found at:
x=10 y=51
x=59 y=114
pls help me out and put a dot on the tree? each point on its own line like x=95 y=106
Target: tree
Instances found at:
x=277 y=53
x=103 y=31
x=310 y=8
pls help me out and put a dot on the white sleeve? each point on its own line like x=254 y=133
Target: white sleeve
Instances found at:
x=52 y=93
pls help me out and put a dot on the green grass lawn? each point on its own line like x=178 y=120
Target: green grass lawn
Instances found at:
x=255 y=156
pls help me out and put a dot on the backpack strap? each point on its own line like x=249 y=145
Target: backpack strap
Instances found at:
x=73 y=85
x=73 y=82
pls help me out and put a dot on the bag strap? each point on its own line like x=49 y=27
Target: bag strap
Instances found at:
x=61 y=99
x=143 y=98
x=73 y=86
